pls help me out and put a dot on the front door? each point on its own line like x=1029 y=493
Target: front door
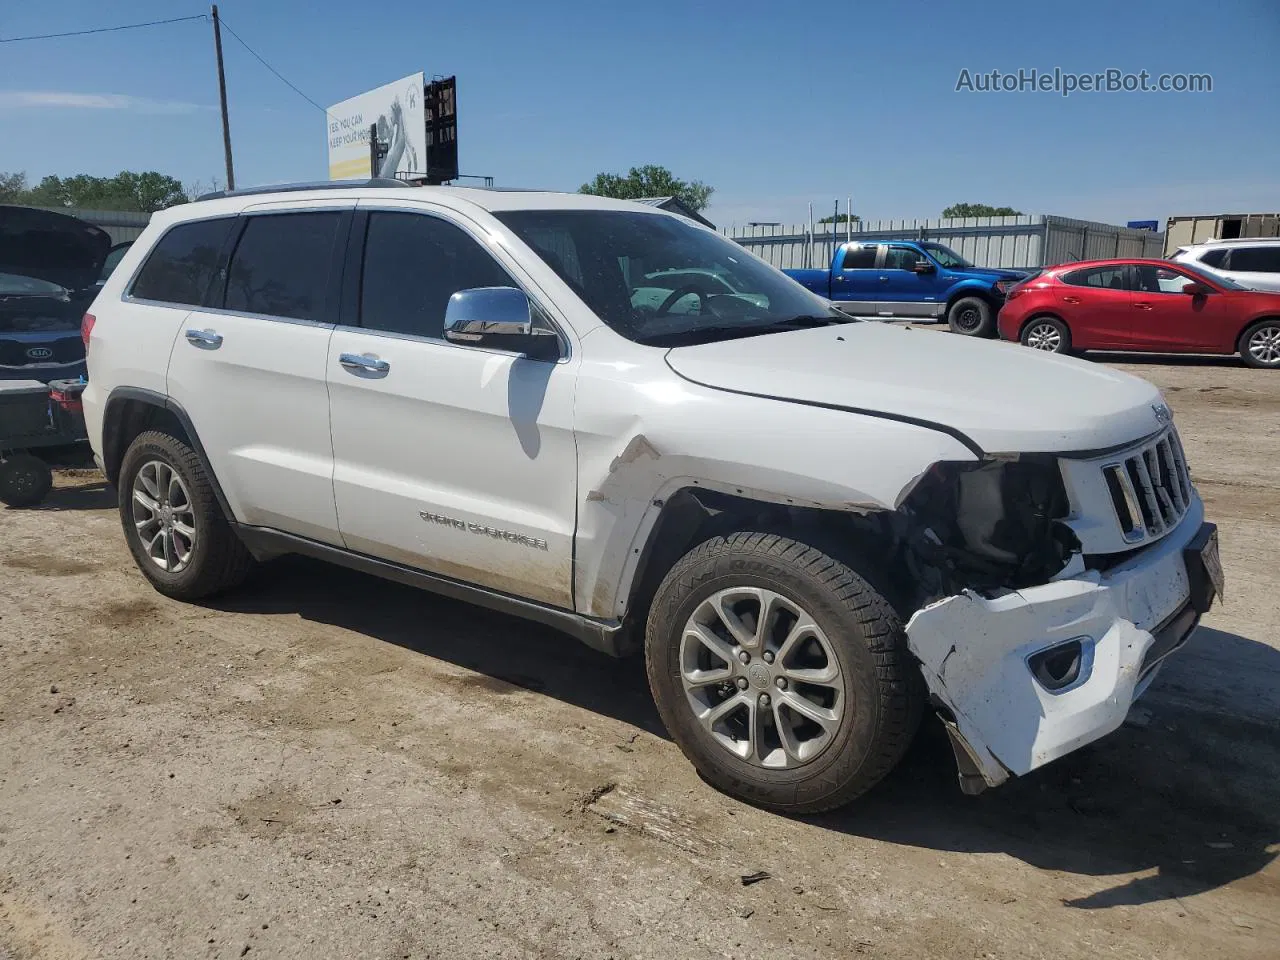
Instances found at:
x=452 y=459
x=1165 y=318
x=903 y=291
x=249 y=368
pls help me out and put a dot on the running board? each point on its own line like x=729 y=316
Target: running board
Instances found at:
x=603 y=635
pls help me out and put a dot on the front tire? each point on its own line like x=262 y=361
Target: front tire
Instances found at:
x=1259 y=346
x=1046 y=333
x=972 y=317
x=175 y=529
x=780 y=672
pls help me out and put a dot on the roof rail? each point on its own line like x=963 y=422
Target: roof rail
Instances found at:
x=312 y=185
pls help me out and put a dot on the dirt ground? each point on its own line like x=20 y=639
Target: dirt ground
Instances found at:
x=327 y=765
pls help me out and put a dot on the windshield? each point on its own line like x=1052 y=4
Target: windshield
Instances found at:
x=946 y=256
x=655 y=279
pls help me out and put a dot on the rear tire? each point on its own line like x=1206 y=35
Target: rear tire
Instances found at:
x=1046 y=333
x=1259 y=346
x=825 y=702
x=25 y=480
x=972 y=317
x=176 y=531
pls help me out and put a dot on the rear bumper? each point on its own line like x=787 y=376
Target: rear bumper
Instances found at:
x=980 y=657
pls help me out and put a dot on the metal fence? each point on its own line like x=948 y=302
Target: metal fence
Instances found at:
x=1034 y=240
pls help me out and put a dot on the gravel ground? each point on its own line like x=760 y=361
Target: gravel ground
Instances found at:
x=328 y=765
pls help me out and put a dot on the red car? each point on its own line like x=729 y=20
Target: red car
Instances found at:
x=1149 y=305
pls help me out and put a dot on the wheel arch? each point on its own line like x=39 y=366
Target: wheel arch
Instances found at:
x=1250 y=324
x=692 y=515
x=132 y=411
x=974 y=289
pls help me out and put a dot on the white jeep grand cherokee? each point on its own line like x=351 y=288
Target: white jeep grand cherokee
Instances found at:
x=813 y=526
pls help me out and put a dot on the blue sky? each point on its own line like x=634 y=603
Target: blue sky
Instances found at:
x=774 y=104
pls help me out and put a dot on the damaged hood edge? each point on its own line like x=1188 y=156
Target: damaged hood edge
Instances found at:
x=992 y=397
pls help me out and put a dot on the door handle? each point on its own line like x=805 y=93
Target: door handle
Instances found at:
x=1070 y=299
x=363 y=363
x=1142 y=306
x=204 y=338
x=884 y=279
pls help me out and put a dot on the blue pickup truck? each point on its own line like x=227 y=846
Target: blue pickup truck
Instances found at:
x=912 y=279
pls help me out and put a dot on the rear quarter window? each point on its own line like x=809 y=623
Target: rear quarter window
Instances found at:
x=182 y=265
x=1264 y=259
x=1213 y=258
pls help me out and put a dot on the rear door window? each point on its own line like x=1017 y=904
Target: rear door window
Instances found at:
x=281 y=265
x=181 y=267
x=1100 y=278
x=1213 y=258
x=1261 y=259
x=861 y=257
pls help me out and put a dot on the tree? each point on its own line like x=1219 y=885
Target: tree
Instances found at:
x=13 y=186
x=146 y=192
x=650 y=181
x=979 y=210
x=843 y=218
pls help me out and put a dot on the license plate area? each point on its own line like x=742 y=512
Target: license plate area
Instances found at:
x=1204 y=568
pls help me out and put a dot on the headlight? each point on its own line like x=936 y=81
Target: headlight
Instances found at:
x=1002 y=286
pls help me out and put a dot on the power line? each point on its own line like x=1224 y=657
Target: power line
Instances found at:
x=271 y=68
x=126 y=26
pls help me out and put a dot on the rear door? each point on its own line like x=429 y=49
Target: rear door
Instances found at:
x=856 y=284
x=1095 y=303
x=249 y=368
x=903 y=292
x=1166 y=319
x=449 y=458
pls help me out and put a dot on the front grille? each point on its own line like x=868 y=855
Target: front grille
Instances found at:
x=1150 y=488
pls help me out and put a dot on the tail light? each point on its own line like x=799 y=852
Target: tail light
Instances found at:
x=86 y=328
x=1015 y=292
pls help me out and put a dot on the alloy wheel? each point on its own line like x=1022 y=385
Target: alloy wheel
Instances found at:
x=163 y=516
x=1044 y=336
x=761 y=677
x=1264 y=345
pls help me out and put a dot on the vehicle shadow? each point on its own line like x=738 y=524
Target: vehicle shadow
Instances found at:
x=1164 y=359
x=506 y=649
x=1185 y=798
x=1183 y=795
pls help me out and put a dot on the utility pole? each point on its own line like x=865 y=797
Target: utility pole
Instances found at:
x=222 y=95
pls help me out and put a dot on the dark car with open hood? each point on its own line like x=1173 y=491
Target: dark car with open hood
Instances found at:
x=51 y=267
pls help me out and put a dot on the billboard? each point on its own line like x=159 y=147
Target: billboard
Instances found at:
x=398 y=110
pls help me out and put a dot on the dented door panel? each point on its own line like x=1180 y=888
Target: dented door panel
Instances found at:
x=974 y=655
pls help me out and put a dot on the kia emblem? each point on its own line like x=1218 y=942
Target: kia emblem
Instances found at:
x=39 y=353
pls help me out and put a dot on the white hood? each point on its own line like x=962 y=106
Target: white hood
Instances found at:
x=1004 y=397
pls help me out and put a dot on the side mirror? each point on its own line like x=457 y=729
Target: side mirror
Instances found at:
x=923 y=266
x=1195 y=289
x=498 y=318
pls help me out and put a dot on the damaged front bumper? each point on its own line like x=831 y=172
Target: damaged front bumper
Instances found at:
x=1024 y=678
